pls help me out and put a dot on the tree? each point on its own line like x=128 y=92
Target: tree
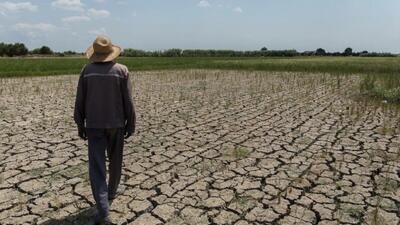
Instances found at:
x=69 y=52
x=2 y=49
x=174 y=52
x=348 y=52
x=320 y=52
x=44 y=50
x=19 y=49
x=129 y=52
x=264 y=49
x=9 y=51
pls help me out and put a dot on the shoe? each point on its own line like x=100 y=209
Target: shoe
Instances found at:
x=121 y=189
x=102 y=220
x=107 y=221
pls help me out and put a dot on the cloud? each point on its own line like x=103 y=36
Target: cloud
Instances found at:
x=73 y=19
x=34 y=29
x=98 y=13
x=100 y=31
x=13 y=7
x=122 y=2
x=74 y=5
x=238 y=10
x=34 y=26
x=203 y=4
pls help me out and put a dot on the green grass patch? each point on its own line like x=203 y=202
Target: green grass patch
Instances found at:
x=16 y=67
x=381 y=86
x=381 y=75
x=240 y=153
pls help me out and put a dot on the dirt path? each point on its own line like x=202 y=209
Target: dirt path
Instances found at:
x=212 y=147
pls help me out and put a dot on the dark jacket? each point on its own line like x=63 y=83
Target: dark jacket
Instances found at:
x=104 y=97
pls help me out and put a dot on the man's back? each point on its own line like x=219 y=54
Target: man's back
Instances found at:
x=104 y=96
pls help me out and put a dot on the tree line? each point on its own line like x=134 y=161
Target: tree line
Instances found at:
x=19 y=49
x=263 y=52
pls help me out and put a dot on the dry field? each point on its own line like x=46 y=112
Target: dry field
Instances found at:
x=212 y=147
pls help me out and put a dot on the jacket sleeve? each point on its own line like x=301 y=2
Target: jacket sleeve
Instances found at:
x=129 y=109
x=79 y=111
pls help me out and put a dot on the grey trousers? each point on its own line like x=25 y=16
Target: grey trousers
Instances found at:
x=101 y=141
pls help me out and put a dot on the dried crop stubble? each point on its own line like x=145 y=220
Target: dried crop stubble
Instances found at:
x=220 y=147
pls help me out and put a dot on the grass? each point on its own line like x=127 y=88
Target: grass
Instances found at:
x=240 y=153
x=380 y=75
x=383 y=86
x=16 y=67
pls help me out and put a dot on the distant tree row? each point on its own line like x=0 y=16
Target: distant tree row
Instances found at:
x=19 y=49
x=263 y=52
x=207 y=53
x=346 y=52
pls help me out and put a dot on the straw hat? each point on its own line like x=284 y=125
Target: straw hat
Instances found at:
x=102 y=50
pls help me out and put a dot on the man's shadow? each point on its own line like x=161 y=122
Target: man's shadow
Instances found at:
x=83 y=217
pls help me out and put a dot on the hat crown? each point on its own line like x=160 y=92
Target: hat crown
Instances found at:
x=102 y=45
x=102 y=50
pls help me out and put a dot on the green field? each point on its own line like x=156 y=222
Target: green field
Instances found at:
x=15 y=67
x=380 y=75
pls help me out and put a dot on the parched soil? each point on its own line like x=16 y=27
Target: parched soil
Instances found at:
x=211 y=147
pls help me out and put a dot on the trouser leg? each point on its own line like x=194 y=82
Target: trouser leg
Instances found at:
x=115 y=153
x=97 y=142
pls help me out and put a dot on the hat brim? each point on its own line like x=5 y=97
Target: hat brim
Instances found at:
x=96 y=57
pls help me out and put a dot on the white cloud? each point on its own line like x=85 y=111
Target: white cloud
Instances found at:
x=34 y=26
x=238 y=10
x=101 y=31
x=98 y=13
x=203 y=4
x=100 y=1
x=12 y=7
x=75 y=5
x=34 y=29
x=73 y=19
x=122 y=2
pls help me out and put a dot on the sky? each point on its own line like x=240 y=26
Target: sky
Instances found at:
x=334 y=25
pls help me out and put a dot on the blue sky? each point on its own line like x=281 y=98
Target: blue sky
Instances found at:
x=372 y=25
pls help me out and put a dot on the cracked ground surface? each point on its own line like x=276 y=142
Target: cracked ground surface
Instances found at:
x=211 y=147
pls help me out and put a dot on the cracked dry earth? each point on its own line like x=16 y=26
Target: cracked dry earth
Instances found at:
x=212 y=147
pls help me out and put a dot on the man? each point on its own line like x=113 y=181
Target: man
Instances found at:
x=105 y=115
